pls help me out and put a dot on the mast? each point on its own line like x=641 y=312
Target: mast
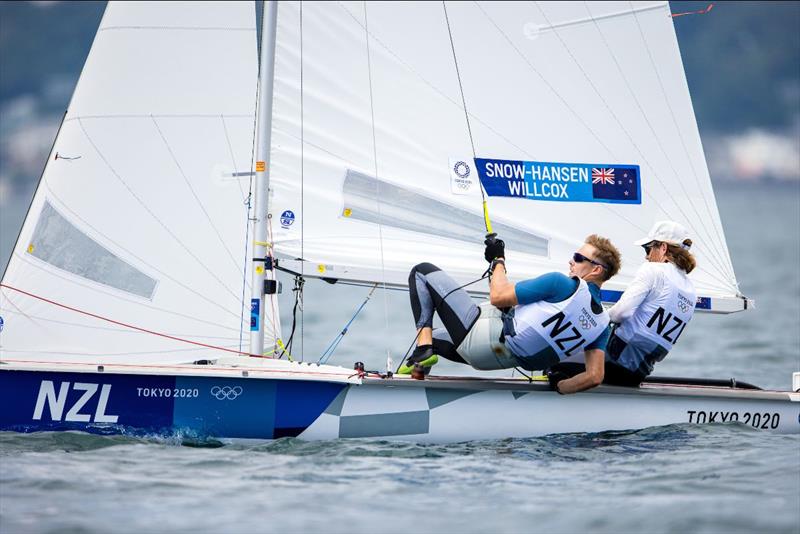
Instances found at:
x=261 y=202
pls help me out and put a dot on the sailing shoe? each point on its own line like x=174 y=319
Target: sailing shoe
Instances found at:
x=422 y=355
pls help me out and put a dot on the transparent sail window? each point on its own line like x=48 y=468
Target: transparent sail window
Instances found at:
x=408 y=210
x=59 y=243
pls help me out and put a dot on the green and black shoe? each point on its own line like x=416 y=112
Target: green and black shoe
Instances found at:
x=422 y=355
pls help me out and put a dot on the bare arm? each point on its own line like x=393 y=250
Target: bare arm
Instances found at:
x=501 y=291
x=593 y=376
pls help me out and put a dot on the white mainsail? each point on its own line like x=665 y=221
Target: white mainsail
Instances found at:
x=368 y=120
x=141 y=214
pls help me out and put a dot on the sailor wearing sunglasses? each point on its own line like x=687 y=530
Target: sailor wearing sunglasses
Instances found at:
x=532 y=324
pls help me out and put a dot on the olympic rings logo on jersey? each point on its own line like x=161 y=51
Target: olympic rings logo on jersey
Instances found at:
x=226 y=392
x=683 y=306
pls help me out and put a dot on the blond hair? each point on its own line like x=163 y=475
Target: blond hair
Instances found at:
x=607 y=254
x=681 y=257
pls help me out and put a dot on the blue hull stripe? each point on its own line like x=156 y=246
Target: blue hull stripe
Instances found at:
x=32 y=401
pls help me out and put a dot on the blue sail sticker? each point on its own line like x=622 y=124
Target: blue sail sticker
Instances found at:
x=255 y=314
x=561 y=182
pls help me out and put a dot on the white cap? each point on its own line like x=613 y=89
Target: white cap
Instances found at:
x=666 y=232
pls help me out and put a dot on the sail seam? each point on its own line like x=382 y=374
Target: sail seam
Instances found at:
x=233 y=158
x=194 y=193
x=62 y=205
x=594 y=134
x=102 y=290
x=622 y=127
x=153 y=215
x=707 y=232
x=434 y=88
x=685 y=149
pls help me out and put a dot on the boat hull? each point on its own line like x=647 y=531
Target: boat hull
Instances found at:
x=145 y=404
x=438 y=410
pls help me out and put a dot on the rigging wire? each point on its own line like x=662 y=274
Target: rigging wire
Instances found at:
x=377 y=185
x=655 y=135
x=487 y=222
x=62 y=206
x=442 y=94
x=72 y=324
x=326 y=355
x=616 y=118
x=126 y=325
x=230 y=151
x=97 y=288
x=248 y=200
x=194 y=193
x=678 y=130
x=724 y=283
x=152 y=214
x=430 y=85
x=302 y=190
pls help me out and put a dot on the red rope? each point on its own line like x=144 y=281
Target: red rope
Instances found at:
x=160 y=334
x=698 y=12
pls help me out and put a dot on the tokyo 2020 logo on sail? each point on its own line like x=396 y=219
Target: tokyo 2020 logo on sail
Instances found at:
x=461 y=183
x=226 y=392
x=461 y=169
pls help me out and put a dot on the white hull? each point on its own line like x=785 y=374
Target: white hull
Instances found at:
x=324 y=402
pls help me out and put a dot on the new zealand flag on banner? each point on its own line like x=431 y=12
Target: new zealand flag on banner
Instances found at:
x=615 y=183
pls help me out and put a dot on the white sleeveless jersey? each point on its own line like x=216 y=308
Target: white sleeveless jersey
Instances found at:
x=567 y=327
x=665 y=311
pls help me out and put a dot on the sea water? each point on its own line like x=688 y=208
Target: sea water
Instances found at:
x=712 y=478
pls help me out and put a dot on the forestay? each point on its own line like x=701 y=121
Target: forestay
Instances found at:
x=373 y=168
x=140 y=216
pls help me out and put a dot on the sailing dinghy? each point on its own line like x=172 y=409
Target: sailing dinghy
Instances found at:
x=140 y=297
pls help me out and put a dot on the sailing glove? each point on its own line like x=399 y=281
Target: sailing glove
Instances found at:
x=554 y=377
x=495 y=248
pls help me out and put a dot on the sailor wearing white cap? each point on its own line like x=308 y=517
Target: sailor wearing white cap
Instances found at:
x=654 y=310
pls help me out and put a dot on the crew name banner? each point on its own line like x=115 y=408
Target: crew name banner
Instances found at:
x=560 y=182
